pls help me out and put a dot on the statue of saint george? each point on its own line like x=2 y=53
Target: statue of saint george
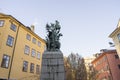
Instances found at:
x=53 y=36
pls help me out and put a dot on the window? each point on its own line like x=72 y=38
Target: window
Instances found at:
x=104 y=58
x=106 y=67
x=5 y=61
x=32 y=68
x=39 y=43
x=119 y=66
x=33 y=52
x=28 y=37
x=13 y=27
x=25 y=66
x=27 y=49
x=10 y=41
x=1 y=23
x=34 y=40
x=38 y=55
x=116 y=56
x=44 y=48
x=118 y=36
x=37 y=69
x=109 y=78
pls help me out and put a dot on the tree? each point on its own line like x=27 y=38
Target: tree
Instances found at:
x=68 y=69
x=92 y=74
x=76 y=68
x=81 y=73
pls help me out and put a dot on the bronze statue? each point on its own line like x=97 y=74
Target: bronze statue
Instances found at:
x=53 y=36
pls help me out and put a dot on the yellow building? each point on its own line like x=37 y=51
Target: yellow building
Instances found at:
x=20 y=50
x=115 y=35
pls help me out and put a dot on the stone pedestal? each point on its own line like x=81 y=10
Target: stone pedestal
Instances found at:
x=52 y=66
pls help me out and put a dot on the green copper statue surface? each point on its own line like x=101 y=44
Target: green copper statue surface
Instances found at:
x=53 y=36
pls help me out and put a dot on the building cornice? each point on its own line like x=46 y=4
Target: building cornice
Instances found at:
x=21 y=25
x=114 y=32
x=104 y=53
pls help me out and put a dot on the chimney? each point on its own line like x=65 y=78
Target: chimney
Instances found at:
x=32 y=27
x=118 y=25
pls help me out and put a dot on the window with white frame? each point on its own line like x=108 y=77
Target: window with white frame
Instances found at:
x=5 y=61
x=10 y=41
x=37 y=69
x=34 y=40
x=44 y=48
x=28 y=37
x=1 y=23
x=33 y=52
x=38 y=55
x=13 y=27
x=25 y=66
x=39 y=43
x=32 y=67
x=27 y=49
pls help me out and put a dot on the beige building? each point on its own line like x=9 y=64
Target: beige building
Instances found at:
x=115 y=35
x=20 y=50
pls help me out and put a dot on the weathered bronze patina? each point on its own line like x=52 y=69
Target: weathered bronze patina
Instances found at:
x=53 y=36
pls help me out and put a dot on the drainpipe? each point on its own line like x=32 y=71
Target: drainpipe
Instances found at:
x=9 y=74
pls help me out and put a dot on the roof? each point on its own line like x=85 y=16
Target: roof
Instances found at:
x=113 y=33
x=25 y=27
x=104 y=53
x=116 y=30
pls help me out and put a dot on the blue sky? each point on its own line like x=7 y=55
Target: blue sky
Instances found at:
x=85 y=24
